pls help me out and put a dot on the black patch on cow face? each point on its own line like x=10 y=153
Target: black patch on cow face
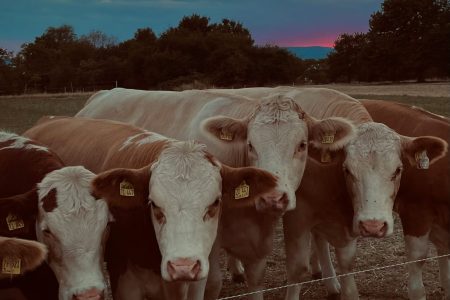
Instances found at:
x=49 y=201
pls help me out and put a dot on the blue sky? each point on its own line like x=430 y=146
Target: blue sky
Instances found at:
x=278 y=22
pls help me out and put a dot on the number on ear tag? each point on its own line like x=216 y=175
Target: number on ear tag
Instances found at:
x=328 y=138
x=422 y=160
x=11 y=265
x=14 y=222
x=242 y=191
x=325 y=157
x=126 y=189
x=225 y=135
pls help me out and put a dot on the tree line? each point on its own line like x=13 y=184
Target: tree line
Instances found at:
x=407 y=39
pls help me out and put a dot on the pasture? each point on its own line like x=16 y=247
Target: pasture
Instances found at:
x=19 y=113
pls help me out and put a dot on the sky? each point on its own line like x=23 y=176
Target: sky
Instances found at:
x=286 y=23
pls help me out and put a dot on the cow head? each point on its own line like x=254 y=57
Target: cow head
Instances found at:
x=73 y=224
x=276 y=138
x=373 y=167
x=186 y=188
x=15 y=252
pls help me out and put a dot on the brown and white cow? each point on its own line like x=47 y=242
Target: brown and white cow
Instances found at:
x=423 y=200
x=185 y=186
x=30 y=254
x=43 y=199
x=356 y=193
x=271 y=134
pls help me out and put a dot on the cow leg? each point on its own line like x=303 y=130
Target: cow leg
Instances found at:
x=197 y=290
x=346 y=257
x=444 y=273
x=416 y=248
x=214 y=281
x=323 y=254
x=297 y=261
x=316 y=269
x=254 y=273
x=236 y=269
x=175 y=290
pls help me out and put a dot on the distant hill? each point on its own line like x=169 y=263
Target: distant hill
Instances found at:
x=313 y=52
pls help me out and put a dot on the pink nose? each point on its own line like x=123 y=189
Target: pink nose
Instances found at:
x=275 y=200
x=183 y=269
x=373 y=228
x=91 y=294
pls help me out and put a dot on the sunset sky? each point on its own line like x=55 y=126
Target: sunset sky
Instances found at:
x=277 y=22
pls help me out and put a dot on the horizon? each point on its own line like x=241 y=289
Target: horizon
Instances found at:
x=293 y=23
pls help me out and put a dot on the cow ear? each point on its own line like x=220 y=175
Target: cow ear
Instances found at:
x=423 y=151
x=331 y=134
x=30 y=253
x=18 y=213
x=123 y=188
x=243 y=186
x=224 y=129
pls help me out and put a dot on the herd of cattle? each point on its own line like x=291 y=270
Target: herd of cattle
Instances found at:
x=155 y=183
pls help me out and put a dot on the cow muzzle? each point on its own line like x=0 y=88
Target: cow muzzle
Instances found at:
x=373 y=228
x=184 y=269
x=90 y=294
x=273 y=202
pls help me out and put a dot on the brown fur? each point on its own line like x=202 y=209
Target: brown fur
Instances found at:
x=49 y=201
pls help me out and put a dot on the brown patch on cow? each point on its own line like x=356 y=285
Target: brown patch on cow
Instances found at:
x=107 y=186
x=209 y=157
x=217 y=126
x=49 y=202
x=435 y=147
x=260 y=182
x=31 y=253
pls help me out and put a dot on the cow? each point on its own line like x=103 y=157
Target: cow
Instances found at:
x=43 y=199
x=423 y=200
x=271 y=134
x=183 y=187
x=12 y=250
x=355 y=196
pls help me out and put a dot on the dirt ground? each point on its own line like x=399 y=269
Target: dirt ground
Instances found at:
x=18 y=113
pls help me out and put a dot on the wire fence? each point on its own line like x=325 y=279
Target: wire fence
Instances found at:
x=331 y=277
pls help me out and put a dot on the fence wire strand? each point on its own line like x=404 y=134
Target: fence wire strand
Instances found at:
x=331 y=277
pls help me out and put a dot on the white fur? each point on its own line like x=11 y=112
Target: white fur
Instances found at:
x=372 y=157
x=183 y=184
x=19 y=142
x=142 y=139
x=77 y=225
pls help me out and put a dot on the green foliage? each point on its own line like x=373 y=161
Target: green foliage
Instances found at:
x=196 y=51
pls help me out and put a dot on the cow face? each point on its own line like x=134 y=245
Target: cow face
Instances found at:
x=276 y=138
x=72 y=223
x=185 y=189
x=373 y=167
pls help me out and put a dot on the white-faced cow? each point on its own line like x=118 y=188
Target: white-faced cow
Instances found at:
x=272 y=134
x=423 y=200
x=180 y=187
x=43 y=199
x=357 y=187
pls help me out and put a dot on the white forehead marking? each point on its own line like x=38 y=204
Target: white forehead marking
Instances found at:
x=19 y=142
x=72 y=186
x=276 y=108
x=374 y=138
x=142 y=139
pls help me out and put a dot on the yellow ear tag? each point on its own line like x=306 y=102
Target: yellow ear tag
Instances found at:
x=242 y=191
x=126 y=189
x=14 y=222
x=11 y=265
x=325 y=157
x=225 y=135
x=422 y=160
x=328 y=138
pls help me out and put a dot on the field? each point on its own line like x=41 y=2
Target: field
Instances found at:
x=18 y=113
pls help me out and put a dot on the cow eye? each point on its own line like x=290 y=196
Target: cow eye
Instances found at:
x=397 y=172
x=302 y=146
x=347 y=172
x=157 y=212
x=250 y=147
x=47 y=232
x=212 y=210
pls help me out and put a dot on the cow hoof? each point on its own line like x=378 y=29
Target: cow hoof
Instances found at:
x=334 y=297
x=317 y=275
x=238 y=278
